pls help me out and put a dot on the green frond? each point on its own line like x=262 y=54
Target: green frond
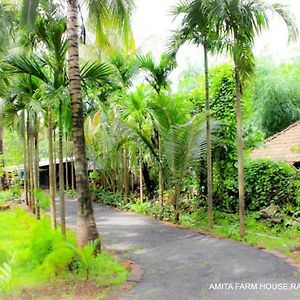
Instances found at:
x=27 y=64
x=95 y=74
x=289 y=19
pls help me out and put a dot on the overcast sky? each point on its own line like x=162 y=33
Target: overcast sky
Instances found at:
x=152 y=24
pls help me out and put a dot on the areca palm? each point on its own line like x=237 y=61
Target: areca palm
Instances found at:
x=239 y=21
x=105 y=13
x=8 y=22
x=199 y=28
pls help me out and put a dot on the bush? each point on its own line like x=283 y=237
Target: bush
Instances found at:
x=6 y=196
x=43 y=242
x=56 y=262
x=107 y=270
x=270 y=182
x=109 y=198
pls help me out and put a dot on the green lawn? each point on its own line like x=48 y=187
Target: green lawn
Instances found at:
x=33 y=257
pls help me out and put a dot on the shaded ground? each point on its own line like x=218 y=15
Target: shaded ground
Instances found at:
x=182 y=265
x=63 y=290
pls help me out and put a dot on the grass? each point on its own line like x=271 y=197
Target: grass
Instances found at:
x=274 y=237
x=34 y=259
x=6 y=196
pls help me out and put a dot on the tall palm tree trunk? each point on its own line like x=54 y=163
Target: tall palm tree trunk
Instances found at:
x=72 y=171
x=208 y=142
x=36 y=164
x=29 y=157
x=125 y=175
x=86 y=226
x=241 y=180
x=2 y=164
x=61 y=176
x=67 y=169
x=25 y=157
x=51 y=171
x=141 y=181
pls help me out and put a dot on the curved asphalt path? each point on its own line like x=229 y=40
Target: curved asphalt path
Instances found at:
x=182 y=265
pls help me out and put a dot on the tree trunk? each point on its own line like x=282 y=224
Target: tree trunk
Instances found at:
x=32 y=173
x=141 y=182
x=160 y=180
x=240 y=151
x=29 y=157
x=208 y=142
x=2 y=164
x=54 y=160
x=125 y=175
x=51 y=171
x=86 y=226
x=67 y=170
x=61 y=176
x=36 y=164
x=25 y=157
x=72 y=174
x=176 y=205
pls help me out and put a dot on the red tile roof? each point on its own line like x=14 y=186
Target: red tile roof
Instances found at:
x=284 y=146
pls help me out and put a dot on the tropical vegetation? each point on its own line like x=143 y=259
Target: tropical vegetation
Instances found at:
x=85 y=114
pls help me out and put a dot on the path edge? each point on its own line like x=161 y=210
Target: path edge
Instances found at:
x=290 y=261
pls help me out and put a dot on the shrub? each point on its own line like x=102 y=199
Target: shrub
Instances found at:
x=107 y=270
x=109 y=198
x=6 y=196
x=270 y=182
x=43 y=241
x=56 y=262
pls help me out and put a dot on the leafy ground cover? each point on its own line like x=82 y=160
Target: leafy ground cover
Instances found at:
x=36 y=261
x=279 y=237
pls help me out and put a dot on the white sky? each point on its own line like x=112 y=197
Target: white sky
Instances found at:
x=152 y=24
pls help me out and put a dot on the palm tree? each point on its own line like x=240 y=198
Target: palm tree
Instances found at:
x=158 y=74
x=133 y=110
x=104 y=14
x=239 y=21
x=197 y=27
x=8 y=25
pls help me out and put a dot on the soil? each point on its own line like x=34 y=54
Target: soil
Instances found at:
x=64 y=290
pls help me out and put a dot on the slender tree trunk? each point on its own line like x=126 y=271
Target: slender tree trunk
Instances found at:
x=132 y=182
x=86 y=226
x=29 y=156
x=61 y=176
x=72 y=174
x=36 y=164
x=2 y=164
x=240 y=151
x=125 y=175
x=25 y=156
x=32 y=159
x=141 y=182
x=176 y=204
x=208 y=142
x=54 y=160
x=67 y=169
x=160 y=180
x=51 y=171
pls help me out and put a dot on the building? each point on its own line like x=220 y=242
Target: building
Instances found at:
x=283 y=146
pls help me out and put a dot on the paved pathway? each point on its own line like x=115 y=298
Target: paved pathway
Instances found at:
x=182 y=265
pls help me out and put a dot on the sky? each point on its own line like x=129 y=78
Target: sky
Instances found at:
x=152 y=24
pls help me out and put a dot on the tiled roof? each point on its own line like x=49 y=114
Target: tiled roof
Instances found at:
x=284 y=146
